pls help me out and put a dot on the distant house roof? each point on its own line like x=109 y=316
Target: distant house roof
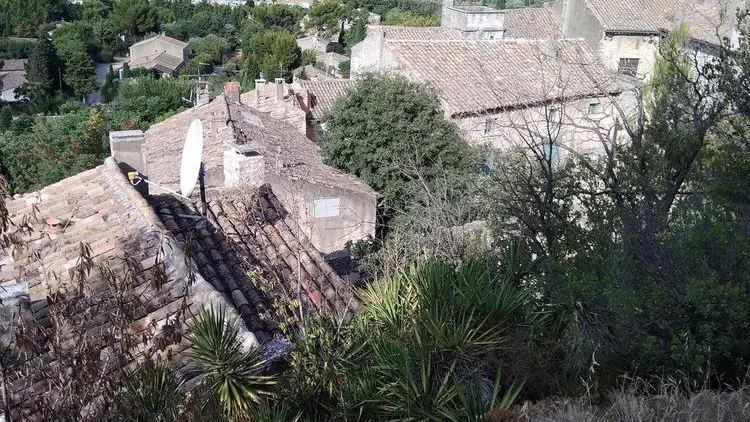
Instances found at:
x=162 y=38
x=12 y=80
x=324 y=94
x=162 y=62
x=410 y=33
x=288 y=153
x=13 y=73
x=10 y=65
x=476 y=77
x=636 y=16
x=530 y=23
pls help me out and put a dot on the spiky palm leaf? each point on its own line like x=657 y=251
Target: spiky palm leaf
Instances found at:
x=151 y=393
x=233 y=376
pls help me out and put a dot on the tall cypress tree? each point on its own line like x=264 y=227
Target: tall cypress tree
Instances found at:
x=41 y=75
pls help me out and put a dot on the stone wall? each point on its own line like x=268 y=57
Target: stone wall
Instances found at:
x=642 y=47
x=329 y=216
x=578 y=129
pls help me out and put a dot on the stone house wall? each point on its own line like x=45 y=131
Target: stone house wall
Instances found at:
x=579 y=130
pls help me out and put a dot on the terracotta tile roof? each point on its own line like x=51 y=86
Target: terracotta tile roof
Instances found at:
x=249 y=234
x=13 y=65
x=637 y=16
x=710 y=22
x=530 y=23
x=12 y=80
x=163 y=62
x=325 y=94
x=412 y=33
x=287 y=152
x=101 y=208
x=474 y=77
x=163 y=38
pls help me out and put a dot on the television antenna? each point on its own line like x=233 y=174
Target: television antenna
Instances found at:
x=191 y=167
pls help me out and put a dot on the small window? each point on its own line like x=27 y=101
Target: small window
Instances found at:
x=628 y=66
x=553 y=116
x=327 y=207
x=490 y=126
x=595 y=109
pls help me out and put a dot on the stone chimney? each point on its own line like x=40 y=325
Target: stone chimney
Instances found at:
x=260 y=86
x=203 y=96
x=244 y=165
x=128 y=148
x=279 y=82
x=232 y=91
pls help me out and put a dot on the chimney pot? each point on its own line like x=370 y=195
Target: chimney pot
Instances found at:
x=232 y=91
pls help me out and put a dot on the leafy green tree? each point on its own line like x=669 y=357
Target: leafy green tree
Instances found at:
x=134 y=17
x=326 y=16
x=92 y=10
x=212 y=49
x=24 y=18
x=356 y=33
x=79 y=73
x=109 y=89
x=6 y=118
x=276 y=52
x=389 y=131
x=278 y=17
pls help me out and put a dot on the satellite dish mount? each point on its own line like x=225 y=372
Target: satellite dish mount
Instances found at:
x=191 y=167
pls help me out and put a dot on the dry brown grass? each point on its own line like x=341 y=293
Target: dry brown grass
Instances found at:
x=628 y=406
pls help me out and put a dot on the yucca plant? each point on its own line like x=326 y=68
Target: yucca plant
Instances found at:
x=151 y=393
x=266 y=412
x=233 y=376
x=428 y=333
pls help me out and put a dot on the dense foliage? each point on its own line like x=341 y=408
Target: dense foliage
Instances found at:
x=392 y=134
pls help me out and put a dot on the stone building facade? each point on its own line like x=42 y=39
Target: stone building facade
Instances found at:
x=626 y=33
x=506 y=90
x=246 y=147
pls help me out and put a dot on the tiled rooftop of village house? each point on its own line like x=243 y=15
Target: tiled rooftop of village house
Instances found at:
x=286 y=151
x=710 y=22
x=530 y=23
x=163 y=38
x=324 y=94
x=638 y=16
x=245 y=235
x=249 y=230
x=101 y=208
x=525 y=72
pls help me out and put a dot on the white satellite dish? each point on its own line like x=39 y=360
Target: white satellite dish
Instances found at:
x=192 y=153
